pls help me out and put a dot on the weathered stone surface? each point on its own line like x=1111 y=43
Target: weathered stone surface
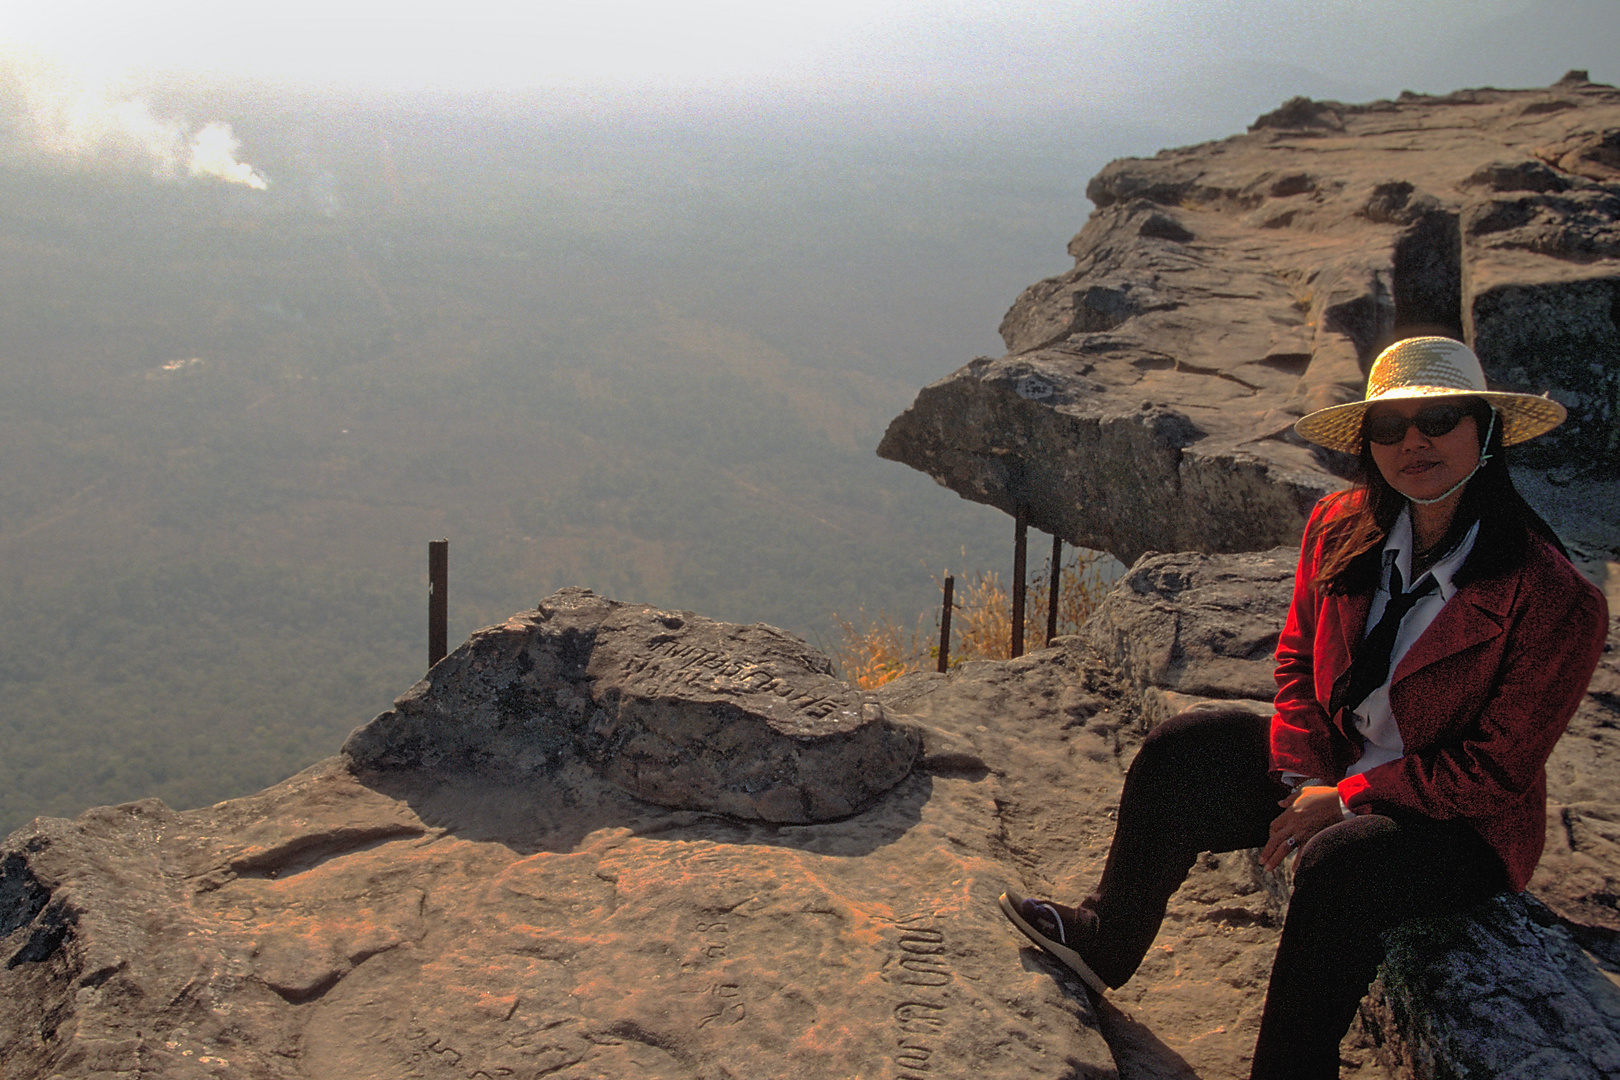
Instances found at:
x=1221 y=291
x=451 y=914
x=1190 y=627
x=1058 y=729
x=1579 y=875
x=1524 y=1000
x=677 y=709
x=424 y=924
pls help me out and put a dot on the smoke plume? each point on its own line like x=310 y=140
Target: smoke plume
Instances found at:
x=67 y=115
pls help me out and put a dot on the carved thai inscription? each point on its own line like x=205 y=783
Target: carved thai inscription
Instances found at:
x=432 y=1053
x=723 y=998
x=920 y=968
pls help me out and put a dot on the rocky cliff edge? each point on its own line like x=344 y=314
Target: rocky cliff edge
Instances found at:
x=1221 y=291
x=605 y=840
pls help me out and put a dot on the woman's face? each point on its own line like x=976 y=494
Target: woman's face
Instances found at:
x=1423 y=466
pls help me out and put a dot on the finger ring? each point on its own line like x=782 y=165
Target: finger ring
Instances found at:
x=1293 y=841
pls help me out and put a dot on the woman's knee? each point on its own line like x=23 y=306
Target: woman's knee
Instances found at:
x=1344 y=847
x=1204 y=739
x=1407 y=864
x=1207 y=725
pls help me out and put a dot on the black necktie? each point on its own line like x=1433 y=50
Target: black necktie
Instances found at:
x=1371 y=665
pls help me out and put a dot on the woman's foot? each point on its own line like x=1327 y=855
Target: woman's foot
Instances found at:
x=1064 y=932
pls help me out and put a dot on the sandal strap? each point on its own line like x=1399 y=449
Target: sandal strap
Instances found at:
x=1057 y=917
x=1071 y=927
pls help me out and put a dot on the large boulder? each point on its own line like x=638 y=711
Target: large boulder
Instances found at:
x=1220 y=291
x=1502 y=990
x=1191 y=628
x=672 y=707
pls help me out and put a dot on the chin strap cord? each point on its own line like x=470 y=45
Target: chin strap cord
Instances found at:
x=1483 y=458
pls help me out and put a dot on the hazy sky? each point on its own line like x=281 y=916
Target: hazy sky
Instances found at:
x=1110 y=52
x=1137 y=74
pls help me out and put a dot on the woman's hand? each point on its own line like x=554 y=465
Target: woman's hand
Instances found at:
x=1306 y=812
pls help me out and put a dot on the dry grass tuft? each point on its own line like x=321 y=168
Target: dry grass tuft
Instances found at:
x=874 y=651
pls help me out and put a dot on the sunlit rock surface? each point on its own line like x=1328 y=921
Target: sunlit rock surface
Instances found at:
x=431 y=914
x=1220 y=291
x=600 y=840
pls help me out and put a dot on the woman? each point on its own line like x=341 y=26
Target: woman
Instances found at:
x=1436 y=646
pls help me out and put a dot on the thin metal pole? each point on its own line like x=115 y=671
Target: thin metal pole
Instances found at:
x=438 y=599
x=1019 y=585
x=945 y=625
x=1053 y=587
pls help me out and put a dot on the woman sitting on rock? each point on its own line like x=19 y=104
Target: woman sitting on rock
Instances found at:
x=1436 y=646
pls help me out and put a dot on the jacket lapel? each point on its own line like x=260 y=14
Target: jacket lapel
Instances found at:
x=1351 y=612
x=1475 y=613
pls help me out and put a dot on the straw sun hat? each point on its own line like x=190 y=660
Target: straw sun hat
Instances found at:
x=1425 y=367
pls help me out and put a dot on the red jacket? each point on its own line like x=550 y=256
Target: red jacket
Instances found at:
x=1480 y=699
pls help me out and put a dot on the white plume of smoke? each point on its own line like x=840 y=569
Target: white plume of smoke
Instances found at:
x=71 y=116
x=213 y=153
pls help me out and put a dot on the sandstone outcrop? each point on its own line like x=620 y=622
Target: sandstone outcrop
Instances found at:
x=599 y=840
x=1220 y=291
x=671 y=707
x=415 y=908
x=603 y=839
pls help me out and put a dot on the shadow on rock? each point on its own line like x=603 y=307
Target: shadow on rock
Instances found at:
x=555 y=812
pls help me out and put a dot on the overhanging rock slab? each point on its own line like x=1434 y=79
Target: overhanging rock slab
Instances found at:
x=1221 y=291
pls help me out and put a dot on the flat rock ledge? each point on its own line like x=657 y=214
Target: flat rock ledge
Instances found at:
x=1220 y=291
x=674 y=708
x=460 y=909
x=473 y=891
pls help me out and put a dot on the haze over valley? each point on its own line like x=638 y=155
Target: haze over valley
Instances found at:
x=261 y=341
x=654 y=364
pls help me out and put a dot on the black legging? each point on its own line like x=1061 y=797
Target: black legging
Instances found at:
x=1200 y=783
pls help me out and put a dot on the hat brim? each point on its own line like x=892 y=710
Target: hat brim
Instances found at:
x=1524 y=416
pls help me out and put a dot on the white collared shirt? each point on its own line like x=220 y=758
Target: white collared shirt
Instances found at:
x=1374 y=719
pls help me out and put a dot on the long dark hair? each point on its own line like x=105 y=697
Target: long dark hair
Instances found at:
x=1352 y=558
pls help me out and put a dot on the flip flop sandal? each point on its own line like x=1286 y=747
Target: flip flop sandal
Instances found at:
x=1013 y=905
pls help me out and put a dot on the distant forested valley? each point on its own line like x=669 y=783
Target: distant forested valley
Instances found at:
x=650 y=357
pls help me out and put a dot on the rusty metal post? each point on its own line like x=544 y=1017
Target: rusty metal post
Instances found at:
x=1053 y=587
x=1020 y=586
x=945 y=625
x=438 y=600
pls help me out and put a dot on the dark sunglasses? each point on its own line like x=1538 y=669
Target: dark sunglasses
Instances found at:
x=1434 y=421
